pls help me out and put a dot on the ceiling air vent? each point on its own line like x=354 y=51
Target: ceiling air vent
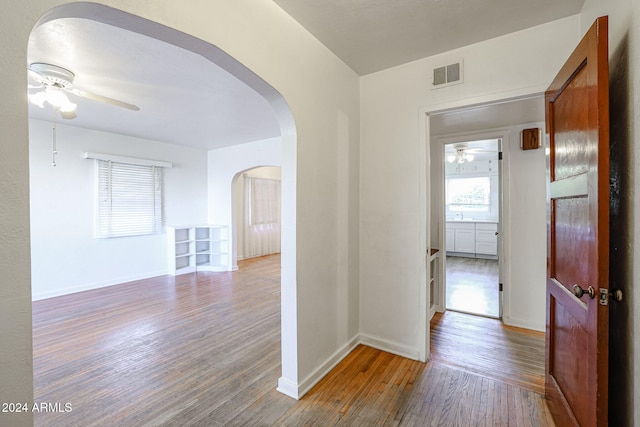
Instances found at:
x=447 y=75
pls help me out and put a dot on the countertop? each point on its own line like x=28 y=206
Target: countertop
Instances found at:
x=491 y=221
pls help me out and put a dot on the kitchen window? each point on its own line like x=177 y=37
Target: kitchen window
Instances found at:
x=469 y=194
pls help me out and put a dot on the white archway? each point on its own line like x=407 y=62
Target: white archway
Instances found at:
x=127 y=21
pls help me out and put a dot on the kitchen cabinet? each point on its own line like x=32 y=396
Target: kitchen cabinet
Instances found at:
x=486 y=238
x=471 y=238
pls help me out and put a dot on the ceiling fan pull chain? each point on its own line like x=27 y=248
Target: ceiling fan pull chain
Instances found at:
x=54 y=145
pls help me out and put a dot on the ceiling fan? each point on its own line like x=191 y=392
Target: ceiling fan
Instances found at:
x=54 y=83
x=462 y=153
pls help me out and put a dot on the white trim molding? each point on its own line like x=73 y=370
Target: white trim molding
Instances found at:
x=129 y=160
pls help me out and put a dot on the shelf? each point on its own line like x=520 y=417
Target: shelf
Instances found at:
x=198 y=248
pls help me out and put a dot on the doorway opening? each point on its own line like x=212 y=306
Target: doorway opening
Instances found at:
x=257 y=221
x=472 y=189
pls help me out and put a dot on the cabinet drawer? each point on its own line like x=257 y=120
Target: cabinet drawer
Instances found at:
x=489 y=226
x=486 y=236
x=459 y=225
x=486 y=248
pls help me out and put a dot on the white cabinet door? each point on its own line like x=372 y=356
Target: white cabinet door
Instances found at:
x=465 y=240
x=450 y=236
x=486 y=239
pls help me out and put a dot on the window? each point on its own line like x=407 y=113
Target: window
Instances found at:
x=262 y=216
x=263 y=201
x=469 y=194
x=129 y=199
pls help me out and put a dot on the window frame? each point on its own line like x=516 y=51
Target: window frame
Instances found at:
x=128 y=196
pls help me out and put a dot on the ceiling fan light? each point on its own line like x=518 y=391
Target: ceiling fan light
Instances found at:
x=56 y=97
x=69 y=107
x=38 y=98
x=469 y=157
x=451 y=158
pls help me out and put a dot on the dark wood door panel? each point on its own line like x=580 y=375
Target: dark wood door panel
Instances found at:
x=577 y=117
x=572 y=241
x=569 y=347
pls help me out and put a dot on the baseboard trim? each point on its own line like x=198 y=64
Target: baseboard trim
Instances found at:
x=288 y=388
x=97 y=285
x=390 y=347
x=519 y=323
x=297 y=391
x=337 y=357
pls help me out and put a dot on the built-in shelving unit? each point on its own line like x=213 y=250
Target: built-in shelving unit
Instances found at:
x=198 y=248
x=434 y=281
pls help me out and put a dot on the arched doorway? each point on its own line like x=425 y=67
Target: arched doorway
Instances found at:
x=126 y=21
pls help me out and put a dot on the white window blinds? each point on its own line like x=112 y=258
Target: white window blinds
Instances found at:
x=129 y=199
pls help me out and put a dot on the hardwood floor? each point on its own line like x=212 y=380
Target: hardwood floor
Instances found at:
x=489 y=348
x=204 y=350
x=472 y=286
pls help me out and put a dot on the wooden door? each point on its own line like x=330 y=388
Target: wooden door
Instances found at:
x=577 y=117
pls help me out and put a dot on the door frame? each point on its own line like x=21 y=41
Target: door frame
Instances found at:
x=502 y=135
x=424 y=177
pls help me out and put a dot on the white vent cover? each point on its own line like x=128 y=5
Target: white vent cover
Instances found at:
x=447 y=75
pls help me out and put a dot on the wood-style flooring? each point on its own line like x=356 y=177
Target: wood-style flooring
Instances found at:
x=204 y=350
x=472 y=286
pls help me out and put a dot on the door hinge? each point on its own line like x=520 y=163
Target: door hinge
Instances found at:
x=499 y=155
x=500 y=287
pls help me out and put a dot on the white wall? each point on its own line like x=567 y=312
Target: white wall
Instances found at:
x=525 y=233
x=65 y=255
x=393 y=103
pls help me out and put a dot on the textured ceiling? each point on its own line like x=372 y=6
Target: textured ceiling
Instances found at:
x=372 y=35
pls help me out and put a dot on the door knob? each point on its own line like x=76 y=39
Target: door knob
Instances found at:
x=579 y=292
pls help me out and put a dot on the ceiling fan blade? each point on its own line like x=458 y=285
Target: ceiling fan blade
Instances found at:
x=105 y=99
x=37 y=78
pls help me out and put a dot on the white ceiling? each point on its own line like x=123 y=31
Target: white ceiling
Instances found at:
x=183 y=98
x=489 y=116
x=372 y=35
x=186 y=99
